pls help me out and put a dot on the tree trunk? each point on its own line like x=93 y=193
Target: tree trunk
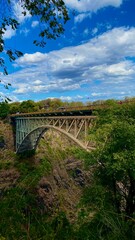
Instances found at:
x=130 y=204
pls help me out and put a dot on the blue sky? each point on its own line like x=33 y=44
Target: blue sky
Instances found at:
x=93 y=60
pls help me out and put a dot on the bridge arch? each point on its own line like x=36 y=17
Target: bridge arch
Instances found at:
x=31 y=140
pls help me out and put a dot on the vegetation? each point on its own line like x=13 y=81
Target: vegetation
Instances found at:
x=106 y=209
x=31 y=106
x=4 y=109
x=57 y=104
x=111 y=197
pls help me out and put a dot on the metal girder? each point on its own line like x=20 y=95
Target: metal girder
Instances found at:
x=30 y=129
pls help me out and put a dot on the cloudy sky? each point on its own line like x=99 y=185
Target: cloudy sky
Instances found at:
x=94 y=59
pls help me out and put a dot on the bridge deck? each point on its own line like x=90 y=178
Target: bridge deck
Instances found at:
x=86 y=112
x=70 y=111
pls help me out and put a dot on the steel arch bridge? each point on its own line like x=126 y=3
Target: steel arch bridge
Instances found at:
x=29 y=128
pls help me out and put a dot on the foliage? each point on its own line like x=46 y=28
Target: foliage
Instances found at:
x=112 y=194
x=21 y=216
x=104 y=225
x=4 y=109
x=62 y=227
x=14 y=107
x=28 y=106
x=117 y=169
x=44 y=105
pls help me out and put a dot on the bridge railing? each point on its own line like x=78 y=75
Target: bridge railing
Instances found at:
x=60 y=110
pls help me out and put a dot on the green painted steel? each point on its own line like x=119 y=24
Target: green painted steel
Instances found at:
x=29 y=129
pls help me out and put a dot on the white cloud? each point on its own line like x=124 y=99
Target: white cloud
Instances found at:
x=106 y=58
x=6 y=95
x=24 y=31
x=9 y=33
x=34 y=24
x=85 y=8
x=121 y=69
x=66 y=98
x=80 y=17
x=97 y=94
x=91 y=5
x=31 y=59
x=71 y=98
x=109 y=48
x=37 y=82
x=94 y=31
x=17 y=11
x=86 y=32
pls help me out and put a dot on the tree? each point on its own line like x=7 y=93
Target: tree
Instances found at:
x=14 y=107
x=116 y=154
x=117 y=166
x=111 y=196
x=28 y=106
x=52 y=15
x=4 y=109
x=55 y=104
x=111 y=102
x=76 y=104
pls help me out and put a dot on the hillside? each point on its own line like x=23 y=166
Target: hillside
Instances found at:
x=54 y=178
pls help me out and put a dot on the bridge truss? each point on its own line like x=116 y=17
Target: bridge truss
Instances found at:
x=30 y=129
